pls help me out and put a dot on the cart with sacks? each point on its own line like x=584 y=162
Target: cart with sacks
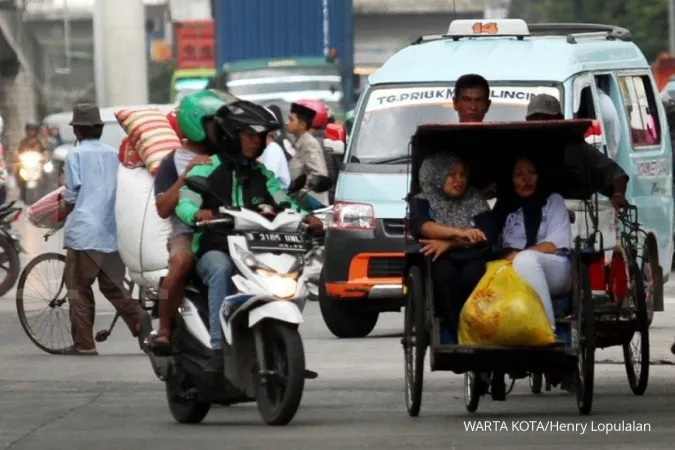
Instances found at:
x=141 y=234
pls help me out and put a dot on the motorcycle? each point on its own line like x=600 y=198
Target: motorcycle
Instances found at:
x=31 y=168
x=10 y=244
x=264 y=358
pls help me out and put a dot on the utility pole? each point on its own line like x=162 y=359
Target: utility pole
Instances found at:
x=99 y=54
x=671 y=26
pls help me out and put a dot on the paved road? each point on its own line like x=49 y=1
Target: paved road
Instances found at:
x=113 y=401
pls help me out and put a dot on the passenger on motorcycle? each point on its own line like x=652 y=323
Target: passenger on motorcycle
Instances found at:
x=275 y=157
x=235 y=175
x=318 y=130
x=309 y=158
x=191 y=122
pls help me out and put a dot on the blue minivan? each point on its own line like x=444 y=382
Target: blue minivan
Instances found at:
x=578 y=64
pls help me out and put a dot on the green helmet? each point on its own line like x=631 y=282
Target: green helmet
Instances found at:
x=194 y=108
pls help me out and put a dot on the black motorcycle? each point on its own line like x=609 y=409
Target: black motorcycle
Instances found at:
x=10 y=247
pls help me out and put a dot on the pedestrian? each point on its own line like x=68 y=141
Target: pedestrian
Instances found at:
x=90 y=232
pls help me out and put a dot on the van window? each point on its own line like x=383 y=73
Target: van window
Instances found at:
x=641 y=112
x=391 y=115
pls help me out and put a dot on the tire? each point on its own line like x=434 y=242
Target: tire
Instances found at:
x=652 y=276
x=31 y=196
x=536 y=383
x=585 y=327
x=345 y=319
x=186 y=411
x=20 y=299
x=14 y=265
x=415 y=338
x=471 y=394
x=282 y=411
x=638 y=380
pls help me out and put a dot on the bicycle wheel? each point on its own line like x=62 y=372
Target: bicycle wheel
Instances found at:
x=43 y=272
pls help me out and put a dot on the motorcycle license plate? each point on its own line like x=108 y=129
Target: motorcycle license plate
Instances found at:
x=275 y=242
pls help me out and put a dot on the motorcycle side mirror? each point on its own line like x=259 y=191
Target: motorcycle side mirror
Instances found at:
x=320 y=184
x=297 y=184
x=198 y=184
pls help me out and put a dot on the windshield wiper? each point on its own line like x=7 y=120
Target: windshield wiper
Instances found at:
x=397 y=160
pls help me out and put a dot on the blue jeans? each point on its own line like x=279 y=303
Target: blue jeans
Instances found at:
x=215 y=269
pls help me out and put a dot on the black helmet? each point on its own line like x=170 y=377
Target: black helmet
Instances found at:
x=244 y=115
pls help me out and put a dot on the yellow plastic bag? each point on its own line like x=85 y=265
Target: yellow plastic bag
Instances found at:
x=504 y=310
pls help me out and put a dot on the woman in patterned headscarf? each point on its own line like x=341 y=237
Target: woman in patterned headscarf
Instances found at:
x=443 y=220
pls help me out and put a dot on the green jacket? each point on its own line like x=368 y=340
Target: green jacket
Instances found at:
x=259 y=186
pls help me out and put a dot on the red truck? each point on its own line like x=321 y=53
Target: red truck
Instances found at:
x=194 y=44
x=663 y=69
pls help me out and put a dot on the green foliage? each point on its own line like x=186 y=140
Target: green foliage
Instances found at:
x=647 y=20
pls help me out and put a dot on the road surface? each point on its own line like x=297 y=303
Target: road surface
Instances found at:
x=113 y=401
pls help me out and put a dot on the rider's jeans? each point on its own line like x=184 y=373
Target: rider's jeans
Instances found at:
x=215 y=270
x=549 y=275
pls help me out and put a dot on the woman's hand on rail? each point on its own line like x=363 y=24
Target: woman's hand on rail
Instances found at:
x=434 y=247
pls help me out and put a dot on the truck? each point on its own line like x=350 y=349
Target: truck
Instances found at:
x=664 y=72
x=279 y=51
x=194 y=50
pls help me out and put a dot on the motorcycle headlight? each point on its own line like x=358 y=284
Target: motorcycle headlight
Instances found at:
x=48 y=167
x=30 y=160
x=281 y=285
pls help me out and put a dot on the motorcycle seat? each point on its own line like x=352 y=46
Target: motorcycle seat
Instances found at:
x=194 y=283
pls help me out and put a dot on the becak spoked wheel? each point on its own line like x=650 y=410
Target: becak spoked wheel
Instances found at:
x=584 y=325
x=472 y=388
x=652 y=275
x=636 y=346
x=415 y=340
x=536 y=382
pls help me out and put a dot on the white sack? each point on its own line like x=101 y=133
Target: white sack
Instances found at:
x=141 y=234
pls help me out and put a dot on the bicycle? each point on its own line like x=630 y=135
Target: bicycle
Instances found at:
x=58 y=303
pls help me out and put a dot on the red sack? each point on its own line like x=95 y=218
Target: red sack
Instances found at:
x=49 y=211
x=128 y=155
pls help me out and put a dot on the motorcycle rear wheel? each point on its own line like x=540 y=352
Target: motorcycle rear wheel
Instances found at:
x=185 y=410
x=279 y=395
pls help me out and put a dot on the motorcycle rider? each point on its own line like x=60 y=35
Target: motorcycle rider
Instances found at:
x=30 y=142
x=309 y=158
x=237 y=137
x=193 y=111
x=275 y=157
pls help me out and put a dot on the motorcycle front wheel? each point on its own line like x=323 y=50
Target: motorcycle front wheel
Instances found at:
x=280 y=392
